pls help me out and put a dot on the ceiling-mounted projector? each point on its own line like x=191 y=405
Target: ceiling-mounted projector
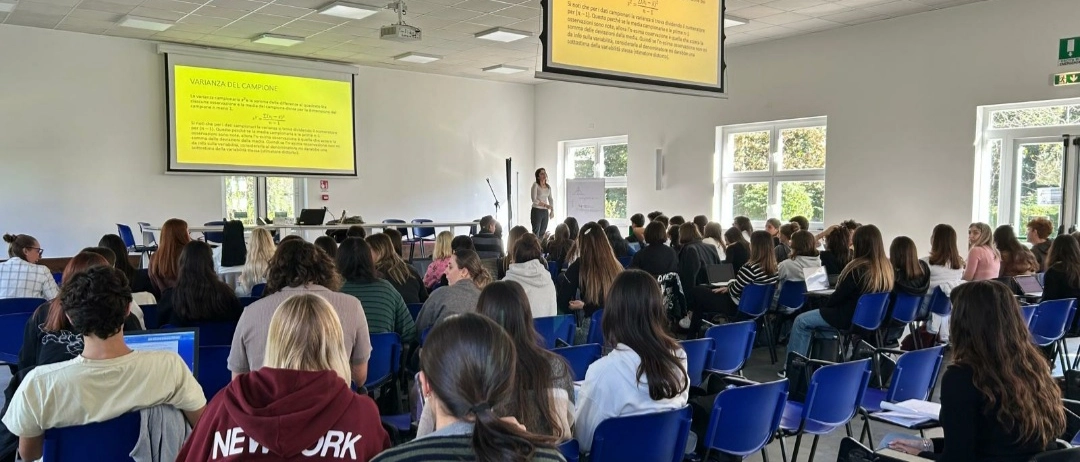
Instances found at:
x=400 y=32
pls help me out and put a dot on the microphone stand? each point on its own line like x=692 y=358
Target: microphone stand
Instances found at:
x=331 y=214
x=494 y=196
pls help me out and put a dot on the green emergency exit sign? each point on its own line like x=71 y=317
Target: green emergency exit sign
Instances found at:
x=1068 y=78
x=1069 y=51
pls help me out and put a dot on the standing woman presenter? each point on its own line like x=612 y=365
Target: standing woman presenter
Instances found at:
x=542 y=203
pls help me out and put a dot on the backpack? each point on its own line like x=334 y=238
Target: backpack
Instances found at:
x=674 y=299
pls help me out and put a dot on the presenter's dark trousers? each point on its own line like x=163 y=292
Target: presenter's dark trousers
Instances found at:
x=539 y=221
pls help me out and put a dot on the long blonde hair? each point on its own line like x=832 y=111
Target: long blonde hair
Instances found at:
x=870 y=256
x=986 y=237
x=306 y=335
x=443 y=249
x=259 y=254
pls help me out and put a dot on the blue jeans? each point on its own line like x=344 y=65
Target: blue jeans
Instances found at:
x=804 y=325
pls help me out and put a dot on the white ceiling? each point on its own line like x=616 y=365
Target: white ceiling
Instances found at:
x=448 y=26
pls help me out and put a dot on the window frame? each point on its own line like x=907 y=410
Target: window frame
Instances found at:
x=614 y=182
x=724 y=174
x=261 y=197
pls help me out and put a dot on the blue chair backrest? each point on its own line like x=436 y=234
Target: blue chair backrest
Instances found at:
x=870 y=310
x=12 y=327
x=732 y=345
x=1051 y=320
x=414 y=309
x=744 y=419
x=125 y=235
x=216 y=333
x=385 y=360
x=915 y=374
x=245 y=301
x=596 y=332
x=570 y=450
x=58 y=277
x=20 y=305
x=215 y=236
x=905 y=307
x=553 y=268
x=940 y=303
x=419 y=232
x=656 y=437
x=835 y=392
x=423 y=335
x=580 y=357
x=401 y=229
x=111 y=440
x=792 y=295
x=555 y=327
x=150 y=316
x=257 y=290
x=698 y=356
x=756 y=299
x=213 y=369
x=1028 y=312
x=626 y=261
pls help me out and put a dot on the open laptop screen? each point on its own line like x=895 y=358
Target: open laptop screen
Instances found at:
x=184 y=342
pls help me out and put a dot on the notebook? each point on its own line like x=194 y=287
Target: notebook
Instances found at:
x=720 y=275
x=184 y=342
x=1029 y=285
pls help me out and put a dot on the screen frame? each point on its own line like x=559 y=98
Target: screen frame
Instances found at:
x=577 y=74
x=173 y=330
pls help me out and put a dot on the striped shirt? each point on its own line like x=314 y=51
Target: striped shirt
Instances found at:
x=384 y=308
x=456 y=448
x=750 y=273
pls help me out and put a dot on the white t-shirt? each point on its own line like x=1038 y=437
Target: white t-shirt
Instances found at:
x=81 y=391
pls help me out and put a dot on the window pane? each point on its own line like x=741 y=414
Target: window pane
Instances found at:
x=751 y=151
x=1048 y=116
x=615 y=203
x=806 y=198
x=281 y=197
x=584 y=160
x=750 y=200
x=240 y=198
x=1040 y=182
x=995 y=180
x=614 y=160
x=803 y=148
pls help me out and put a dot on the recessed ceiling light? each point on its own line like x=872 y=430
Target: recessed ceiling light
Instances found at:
x=504 y=69
x=502 y=34
x=6 y=7
x=418 y=58
x=732 y=21
x=279 y=40
x=348 y=10
x=145 y=23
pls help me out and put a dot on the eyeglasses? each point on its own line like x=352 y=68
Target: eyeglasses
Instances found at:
x=40 y=250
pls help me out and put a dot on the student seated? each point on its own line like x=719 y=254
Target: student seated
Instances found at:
x=646 y=370
x=694 y=257
x=466 y=277
x=1038 y=235
x=467 y=373
x=139 y=280
x=1016 y=260
x=837 y=252
x=21 y=276
x=772 y=226
x=783 y=239
x=298 y=406
x=487 y=244
x=532 y=274
x=619 y=245
x=164 y=266
x=585 y=283
x=394 y=270
x=559 y=246
x=299 y=268
x=998 y=399
x=738 y=248
x=804 y=256
x=440 y=260
x=714 y=235
x=911 y=276
x=384 y=308
x=107 y=379
x=983 y=261
x=199 y=295
x=656 y=258
x=327 y=244
x=1062 y=278
x=637 y=229
x=761 y=269
x=259 y=252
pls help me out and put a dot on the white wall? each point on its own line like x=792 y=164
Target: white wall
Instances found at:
x=900 y=96
x=83 y=140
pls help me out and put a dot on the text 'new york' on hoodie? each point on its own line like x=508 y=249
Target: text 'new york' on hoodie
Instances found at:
x=279 y=414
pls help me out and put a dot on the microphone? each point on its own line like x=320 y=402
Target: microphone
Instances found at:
x=328 y=211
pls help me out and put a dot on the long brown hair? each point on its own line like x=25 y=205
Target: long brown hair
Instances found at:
x=943 y=251
x=803 y=244
x=165 y=262
x=389 y=264
x=505 y=303
x=688 y=232
x=870 y=257
x=598 y=264
x=762 y=252
x=837 y=243
x=55 y=321
x=512 y=238
x=634 y=316
x=989 y=336
x=470 y=261
x=905 y=256
x=1065 y=256
x=297 y=263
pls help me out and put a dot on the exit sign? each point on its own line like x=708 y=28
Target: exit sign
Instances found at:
x=1069 y=51
x=1068 y=78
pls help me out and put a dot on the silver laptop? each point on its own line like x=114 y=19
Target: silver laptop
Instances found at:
x=1029 y=285
x=720 y=275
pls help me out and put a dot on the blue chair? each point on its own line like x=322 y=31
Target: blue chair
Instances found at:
x=420 y=234
x=1052 y=318
x=385 y=360
x=12 y=326
x=869 y=315
x=744 y=419
x=792 y=296
x=553 y=268
x=111 y=440
x=905 y=307
x=596 y=332
x=150 y=316
x=58 y=277
x=832 y=398
x=732 y=345
x=940 y=303
x=215 y=333
x=401 y=229
x=215 y=236
x=423 y=335
x=213 y=369
x=414 y=310
x=1028 y=312
x=570 y=450
x=129 y=241
x=625 y=261
x=914 y=378
x=245 y=301
x=656 y=437
x=551 y=328
x=580 y=357
x=753 y=303
x=698 y=356
x=257 y=290
x=20 y=305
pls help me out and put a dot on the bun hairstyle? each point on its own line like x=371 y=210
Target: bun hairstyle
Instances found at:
x=18 y=244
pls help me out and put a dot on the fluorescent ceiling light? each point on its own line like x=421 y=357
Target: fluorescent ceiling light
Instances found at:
x=145 y=23
x=348 y=10
x=732 y=21
x=6 y=7
x=502 y=34
x=504 y=69
x=418 y=58
x=279 y=40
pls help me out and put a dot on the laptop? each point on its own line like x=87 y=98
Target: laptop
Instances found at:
x=1029 y=285
x=183 y=341
x=311 y=217
x=720 y=275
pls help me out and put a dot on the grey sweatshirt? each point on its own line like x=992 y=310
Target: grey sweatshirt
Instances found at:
x=445 y=301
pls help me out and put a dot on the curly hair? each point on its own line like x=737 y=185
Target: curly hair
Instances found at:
x=96 y=301
x=296 y=263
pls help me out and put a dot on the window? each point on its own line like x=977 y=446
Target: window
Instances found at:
x=1021 y=162
x=605 y=158
x=772 y=169
x=247 y=197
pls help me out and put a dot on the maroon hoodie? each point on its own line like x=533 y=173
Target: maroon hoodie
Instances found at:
x=280 y=414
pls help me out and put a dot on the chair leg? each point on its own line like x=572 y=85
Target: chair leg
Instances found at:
x=813 y=448
x=847 y=427
x=869 y=431
x=764 y=455
x=783 y=449
x=769 y=338
x=1076 y=360
x=795 y=453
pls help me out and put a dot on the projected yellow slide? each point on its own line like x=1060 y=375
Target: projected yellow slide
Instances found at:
x=227 y=117
x=662 y=39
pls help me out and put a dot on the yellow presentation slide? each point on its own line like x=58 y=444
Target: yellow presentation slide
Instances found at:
x=661 y=39
x=226 y=117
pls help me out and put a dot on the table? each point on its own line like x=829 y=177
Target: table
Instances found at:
x=288 y=228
